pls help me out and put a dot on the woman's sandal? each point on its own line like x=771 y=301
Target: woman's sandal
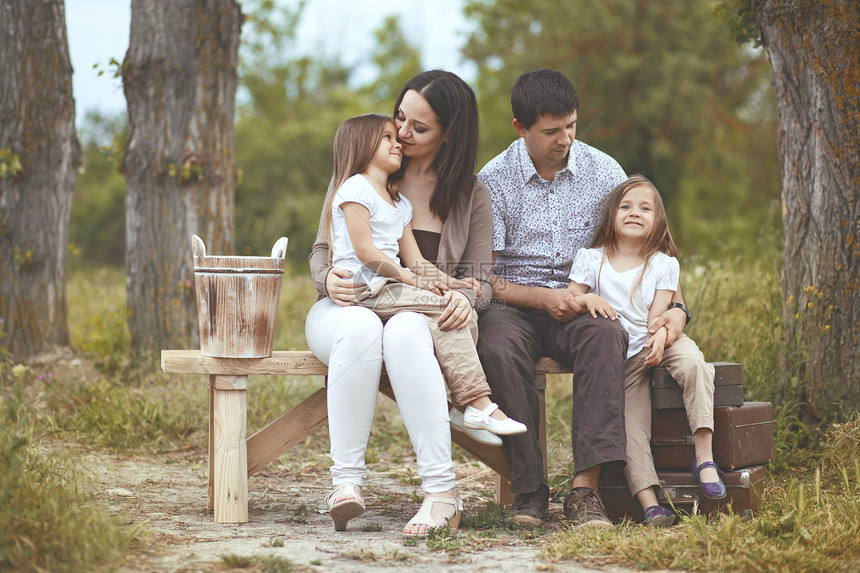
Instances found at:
x=425 y=515
x=344 y=510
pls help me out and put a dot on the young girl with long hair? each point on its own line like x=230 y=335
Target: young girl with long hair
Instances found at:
x=367 y=224
x=630 y=274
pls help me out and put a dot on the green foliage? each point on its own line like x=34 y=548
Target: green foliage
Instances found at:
x=284 y=132
x=98 y=317
x=115 y=415
x=663 y=90
x=10 y=163
x=97 y=224
x=290 y=108
x=397 y=60
x=48 y=519
x=260 y=563
x=741 y=22
x=494 y=518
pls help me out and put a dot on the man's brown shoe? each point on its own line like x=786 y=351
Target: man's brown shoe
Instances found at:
x=532 y=508
x=584 y=508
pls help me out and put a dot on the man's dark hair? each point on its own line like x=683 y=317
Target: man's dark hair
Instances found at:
x=542 y=92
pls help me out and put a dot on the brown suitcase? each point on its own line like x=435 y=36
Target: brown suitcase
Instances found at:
x=743 y=436
x=743 y=494
x=728 y=387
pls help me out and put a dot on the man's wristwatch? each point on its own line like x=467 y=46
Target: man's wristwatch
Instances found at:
x=684 y=308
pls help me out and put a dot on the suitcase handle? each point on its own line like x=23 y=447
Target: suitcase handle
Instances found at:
x=675 y=497
x=672 y=441
x=744 y=482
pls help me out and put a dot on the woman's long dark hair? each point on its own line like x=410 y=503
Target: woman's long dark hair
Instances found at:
x=455 y=105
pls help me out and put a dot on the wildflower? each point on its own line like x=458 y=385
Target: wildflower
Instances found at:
x=19 y=370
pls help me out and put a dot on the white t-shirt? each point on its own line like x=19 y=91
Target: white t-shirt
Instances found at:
x=615 y=288
x=386 y=224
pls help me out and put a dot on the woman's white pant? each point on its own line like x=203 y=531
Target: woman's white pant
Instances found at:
x=354 y=343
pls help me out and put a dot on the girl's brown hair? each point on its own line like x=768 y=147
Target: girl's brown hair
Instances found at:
x=454 y=103
x=659 y=239
x=355 y=143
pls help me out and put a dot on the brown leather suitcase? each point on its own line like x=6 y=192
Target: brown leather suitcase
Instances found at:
x=728 y=387
x=743 y=436
x=743 y=494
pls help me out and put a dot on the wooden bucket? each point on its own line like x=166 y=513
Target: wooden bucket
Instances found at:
x=237 y=301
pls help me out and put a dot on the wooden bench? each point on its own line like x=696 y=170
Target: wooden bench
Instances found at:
x=233 y=457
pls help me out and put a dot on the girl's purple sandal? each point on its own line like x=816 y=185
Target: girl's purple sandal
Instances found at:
x=713 y=489
x=659 y=516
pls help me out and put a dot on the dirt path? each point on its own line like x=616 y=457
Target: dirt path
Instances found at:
x=285 y=522
x=167 y=494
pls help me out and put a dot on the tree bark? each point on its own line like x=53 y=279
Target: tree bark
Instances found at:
x=814 y=48
x=179 y=79
x=39 y=159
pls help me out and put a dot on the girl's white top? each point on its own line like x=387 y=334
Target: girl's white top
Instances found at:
x=661 y=274
x=386 y=225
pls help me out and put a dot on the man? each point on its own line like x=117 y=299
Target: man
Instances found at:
x=548 y=191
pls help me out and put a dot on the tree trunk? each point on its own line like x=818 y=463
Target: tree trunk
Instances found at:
x=814 y=48
x=39 y=160
x=179 y=79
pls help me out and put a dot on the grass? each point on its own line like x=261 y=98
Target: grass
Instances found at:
x=259 y=564
x=808 y=519
x=48 y=519
x=802 y=525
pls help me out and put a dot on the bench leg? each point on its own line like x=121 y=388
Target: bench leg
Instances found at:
x=229 y=460
x=504 y=495
x=210 y=506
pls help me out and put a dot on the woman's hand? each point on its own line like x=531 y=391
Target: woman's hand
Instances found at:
x=474 y=284
x=458 y=313
x=340 y=288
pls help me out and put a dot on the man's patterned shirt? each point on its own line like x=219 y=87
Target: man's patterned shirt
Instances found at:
x=538 y=226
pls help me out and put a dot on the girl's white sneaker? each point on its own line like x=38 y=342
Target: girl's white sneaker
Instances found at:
x=481 y=420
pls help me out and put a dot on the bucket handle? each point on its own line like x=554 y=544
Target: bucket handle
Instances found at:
x=197 y=247
x=279 y=251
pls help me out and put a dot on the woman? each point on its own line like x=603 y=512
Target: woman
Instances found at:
x=436 y=116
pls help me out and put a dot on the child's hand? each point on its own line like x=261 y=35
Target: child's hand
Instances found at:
x=597 y=305
x=434 y=284
x=431 y=278
x=657 y=343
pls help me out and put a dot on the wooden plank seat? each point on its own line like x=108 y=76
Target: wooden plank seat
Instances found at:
x=233 y=457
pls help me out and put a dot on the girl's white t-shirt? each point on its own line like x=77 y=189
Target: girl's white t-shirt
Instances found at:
x=662 y=273
x=386 y=225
